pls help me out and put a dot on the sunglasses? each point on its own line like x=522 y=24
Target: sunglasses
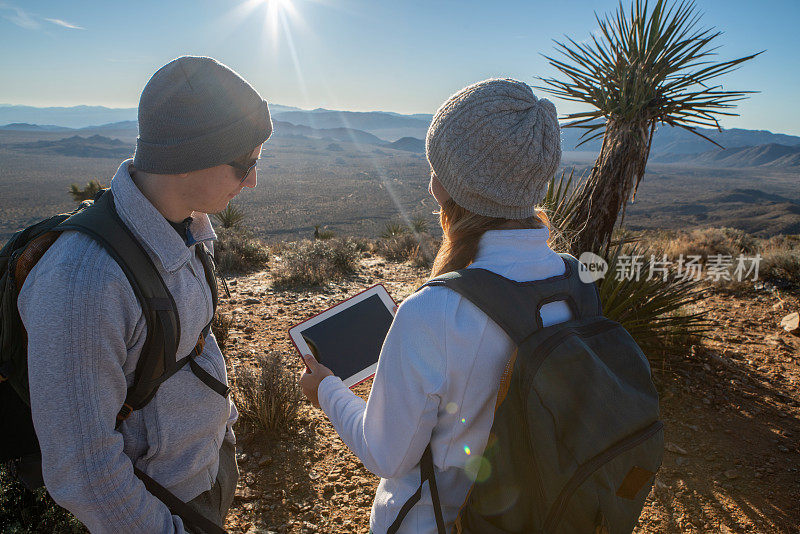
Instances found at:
x=243 y=170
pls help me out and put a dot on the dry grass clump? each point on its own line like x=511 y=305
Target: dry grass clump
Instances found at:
x=268 y=396
x=221 y=326
x=780 y=254
x=312 y=263
x=707 y=242
x=781 y=258
x=419 y=249
x=237 y=251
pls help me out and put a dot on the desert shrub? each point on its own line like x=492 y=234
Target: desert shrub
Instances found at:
x=364 y=245
x=323 y=234
x=419 y=249
x=707 y=242
x=311 y=263
x=230 y=217
x=268 y=396
x=237 y=251
x=221 y=326
x=30 y=512
x=87 y=193
x=393 y=229
x=400 y=247
x=780 y=264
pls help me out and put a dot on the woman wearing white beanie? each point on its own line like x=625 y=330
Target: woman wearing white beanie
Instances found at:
x=492 y=148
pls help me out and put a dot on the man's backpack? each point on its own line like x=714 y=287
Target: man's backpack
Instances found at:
x=576 y=440
x=158 y=362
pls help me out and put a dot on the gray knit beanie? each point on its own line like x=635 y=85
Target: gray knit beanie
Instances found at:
x=494 y=146
x=196 y=113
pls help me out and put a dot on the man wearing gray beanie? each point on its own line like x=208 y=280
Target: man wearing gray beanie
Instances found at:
x=201 y=128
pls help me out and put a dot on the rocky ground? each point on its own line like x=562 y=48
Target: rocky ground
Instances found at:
x=731 y=405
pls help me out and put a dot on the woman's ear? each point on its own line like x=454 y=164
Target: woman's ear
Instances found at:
x=437 y=190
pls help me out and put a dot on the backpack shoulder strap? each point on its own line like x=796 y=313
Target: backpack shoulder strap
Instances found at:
x=516 y=306
x=101 y=222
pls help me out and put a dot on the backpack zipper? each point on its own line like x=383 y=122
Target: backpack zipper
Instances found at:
x=583 y=472
x=547 y=347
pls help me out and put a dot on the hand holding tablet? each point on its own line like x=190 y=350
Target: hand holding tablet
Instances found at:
x=348 y=337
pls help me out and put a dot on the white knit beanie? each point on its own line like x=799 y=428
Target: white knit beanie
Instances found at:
x=494 y=146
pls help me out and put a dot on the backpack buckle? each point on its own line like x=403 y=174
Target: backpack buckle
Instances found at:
x=201 y=343
x=124 y=412
x=5 y=371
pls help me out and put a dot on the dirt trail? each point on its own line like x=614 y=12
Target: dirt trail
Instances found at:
x=731 y=406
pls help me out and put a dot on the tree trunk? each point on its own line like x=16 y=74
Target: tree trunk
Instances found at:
x=619 y=166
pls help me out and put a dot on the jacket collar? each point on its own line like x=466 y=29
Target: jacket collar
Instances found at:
x=516 y=246
x=150 y=227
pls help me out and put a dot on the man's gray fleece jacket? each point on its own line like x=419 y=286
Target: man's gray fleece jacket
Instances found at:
x=85 y=334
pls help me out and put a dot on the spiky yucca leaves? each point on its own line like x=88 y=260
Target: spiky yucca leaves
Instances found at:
x=419 y=224
x=559 y=205
x=230 y=217
x=646 y=67
x=393 y=229
x=87 y=193
x=653 y=310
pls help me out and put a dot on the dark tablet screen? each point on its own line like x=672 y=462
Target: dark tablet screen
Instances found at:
x=351 y=340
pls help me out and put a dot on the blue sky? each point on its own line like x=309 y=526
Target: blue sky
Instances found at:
x=405 y=56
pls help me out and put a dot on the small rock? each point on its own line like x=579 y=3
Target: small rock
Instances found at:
x=791 y=323
x=252 y=301
x=671 y=447
x=731 y=474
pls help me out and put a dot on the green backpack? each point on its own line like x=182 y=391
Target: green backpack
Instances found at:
x=99 y=220
x=576 y=440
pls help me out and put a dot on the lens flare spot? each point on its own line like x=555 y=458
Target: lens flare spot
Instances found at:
x=463 y=421
x=478 y=468
x=451 y=408
x=467 y=451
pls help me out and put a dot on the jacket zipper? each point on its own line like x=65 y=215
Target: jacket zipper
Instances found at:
x=203 y=285
x=583 y=472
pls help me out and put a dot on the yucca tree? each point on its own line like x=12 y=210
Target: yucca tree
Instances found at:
x=646 y=67
x=651 y=308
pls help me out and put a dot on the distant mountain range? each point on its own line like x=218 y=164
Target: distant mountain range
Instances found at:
x=96 y=146
x=675 y=140
x=769 y=155
x=406 y=132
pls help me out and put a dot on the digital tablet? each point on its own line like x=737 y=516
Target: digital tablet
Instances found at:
x=348 y=337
